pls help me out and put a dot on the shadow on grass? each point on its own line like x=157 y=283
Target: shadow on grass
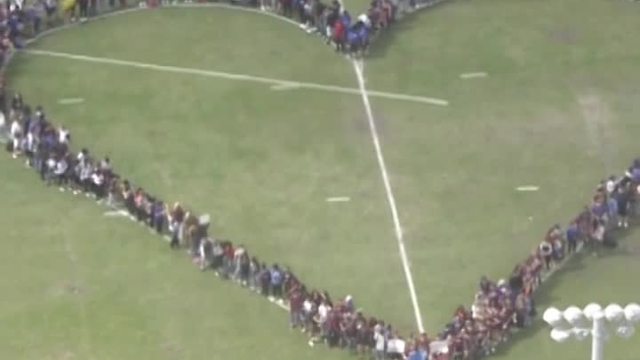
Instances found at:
x=386 y=38
x=545 y=297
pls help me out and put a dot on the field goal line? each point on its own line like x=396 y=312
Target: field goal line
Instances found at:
x=235 y=76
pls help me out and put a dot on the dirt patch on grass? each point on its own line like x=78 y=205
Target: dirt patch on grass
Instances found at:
x=173 y=350
x=565 y=35
x=66 y=288
x=542 y=129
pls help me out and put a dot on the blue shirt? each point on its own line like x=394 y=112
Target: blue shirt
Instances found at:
x=418 y=355
x=572 y=233
x=613 y=206
x=346 y=19
x=276 y=277
x=352 y=37
x=600 y=210
x=363 y=33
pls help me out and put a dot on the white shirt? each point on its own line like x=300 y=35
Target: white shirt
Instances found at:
x=202 y=254
x=97 y=179
x=307 y=306
x=85 y=172
x=61 y=167
x=30 y=142
x=62 y=135
x=365 y=20
x=396 y=346
x=611 y=185
x=323 y=311
x=380 y=341
x=238 y=253
x=15 y=129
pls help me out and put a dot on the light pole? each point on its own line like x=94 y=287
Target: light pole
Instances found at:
x=594 y=321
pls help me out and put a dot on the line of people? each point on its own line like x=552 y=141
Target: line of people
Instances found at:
x=499 y=308
x=46 y=148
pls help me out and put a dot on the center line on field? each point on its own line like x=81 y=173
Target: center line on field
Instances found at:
x=275 y=83
x=390 y=197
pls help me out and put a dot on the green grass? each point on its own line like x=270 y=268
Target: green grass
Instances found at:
x=262 y=163
x=79 y=285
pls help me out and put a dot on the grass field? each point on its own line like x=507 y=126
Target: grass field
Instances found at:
x=556 y=110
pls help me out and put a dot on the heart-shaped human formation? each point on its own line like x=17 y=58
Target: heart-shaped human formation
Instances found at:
x=498 y=308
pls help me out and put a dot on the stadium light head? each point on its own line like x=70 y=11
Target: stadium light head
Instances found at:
x=614 y=313
x=632 y=313
x=575 y=317
x=555 y=318
x=594 y=321
x=591 y=310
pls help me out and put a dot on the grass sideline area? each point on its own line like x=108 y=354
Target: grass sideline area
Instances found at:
x=76 y=67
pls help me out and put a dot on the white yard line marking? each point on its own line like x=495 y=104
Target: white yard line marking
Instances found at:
x=473 y=75
x=70 y=101
x=285 y=86
x=390 y=197
x=528 y=188
x=338 y=199
x=237 y=77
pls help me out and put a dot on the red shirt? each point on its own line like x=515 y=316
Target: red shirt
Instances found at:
x=295 y=301
x=338 y=30
x=230 y=252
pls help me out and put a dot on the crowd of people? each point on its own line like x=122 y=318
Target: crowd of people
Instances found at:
x=46 y=148
x=498 y=310
x=348 y=34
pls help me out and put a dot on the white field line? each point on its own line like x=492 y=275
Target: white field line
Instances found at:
x=473 y=75
x=282 y=87
x=338 y=199
x=528 y=188
x=390 y=197
x=237 y=77
x=70 y=101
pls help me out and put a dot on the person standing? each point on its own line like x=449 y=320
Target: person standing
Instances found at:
x=295 y=307
x=380 y=341
x=622 y=200
x=276 y=281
